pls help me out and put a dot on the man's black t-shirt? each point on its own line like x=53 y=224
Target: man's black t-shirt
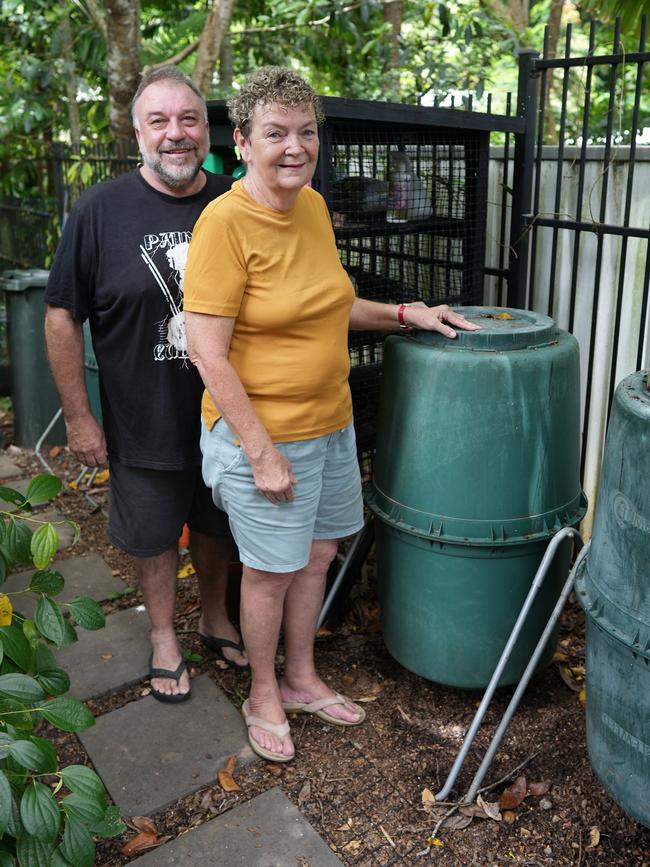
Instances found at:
x=120 y=264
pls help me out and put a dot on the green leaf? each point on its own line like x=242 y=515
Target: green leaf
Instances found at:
x=30 y=631
x=43 y=545
x=68 y=714
x=84 y=781
x=44 y=659
x=88 y=812
x=17 y=542
x=87 y=612
x=10 y=495
x=49 y=620
x=5 y=802
x=33 y=852
x=54 y=682
x=32 y=756
x=77 y=845
x=42 y=488
x=14 y=825
x=69 y=634
x=4 y=566
x=50 y=758
x=7 y=860
x=47 y=581
x=58 y=860
x=21 y=687
x=15 y=712
x=40 y=812
x=111 y=825
x=16 y=646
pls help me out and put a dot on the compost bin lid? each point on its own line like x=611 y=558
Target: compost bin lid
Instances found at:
x=21 y=280
x=502 y=329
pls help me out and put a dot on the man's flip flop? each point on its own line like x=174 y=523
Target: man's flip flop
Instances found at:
x=168 y=698
x=280 y=730
x=317 y=708
x=216 y=645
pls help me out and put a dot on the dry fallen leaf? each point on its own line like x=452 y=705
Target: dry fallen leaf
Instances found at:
x=273 y=769
x=504 y=315
x=346 y=826
x=428 y=799
x=105 y=655
x=225 y=776
x=512 y=797
x=304 y=794
x=491 y=808
x=582 y=696
x=456 y=822
x=509 y=817
x=140 y=843
x=540 y=788
x=54 y=451
x=221 y=663
x=572 y=676
x=142 y=823
x=353 y=846
x=435 y=841
x=404 y=715
x=594 y=838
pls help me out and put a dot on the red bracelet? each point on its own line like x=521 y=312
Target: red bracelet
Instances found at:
x=400 y=316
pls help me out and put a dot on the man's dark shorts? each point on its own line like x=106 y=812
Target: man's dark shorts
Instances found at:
x=148 y=508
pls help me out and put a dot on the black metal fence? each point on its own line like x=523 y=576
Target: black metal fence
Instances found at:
x=578 y=233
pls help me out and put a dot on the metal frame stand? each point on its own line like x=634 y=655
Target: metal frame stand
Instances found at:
x=362 y=538
x=84 y=470
x=566 y=532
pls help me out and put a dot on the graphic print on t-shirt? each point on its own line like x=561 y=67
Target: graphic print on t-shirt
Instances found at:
x=165 y=255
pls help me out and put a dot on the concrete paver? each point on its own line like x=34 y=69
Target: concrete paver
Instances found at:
x=8 y=469
x=267 y=831
x=150 y=754
x=64 y=531
x=84 y=576
x=113 y=657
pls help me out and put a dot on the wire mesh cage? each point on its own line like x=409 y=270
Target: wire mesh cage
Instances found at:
x=409 y=219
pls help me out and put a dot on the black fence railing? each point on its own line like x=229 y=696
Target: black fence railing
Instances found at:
x=586 y=239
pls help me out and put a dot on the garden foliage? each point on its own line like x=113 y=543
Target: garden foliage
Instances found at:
x=48 y=815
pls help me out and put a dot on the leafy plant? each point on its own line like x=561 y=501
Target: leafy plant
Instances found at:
x=48 y=814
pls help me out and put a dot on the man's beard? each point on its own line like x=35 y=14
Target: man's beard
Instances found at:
x=176 y=177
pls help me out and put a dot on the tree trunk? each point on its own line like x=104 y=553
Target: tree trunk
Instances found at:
x=65 y=31
x=123 y=61
x=393 y=14
x=225 y=53
x=554 y=21
x=210 y=44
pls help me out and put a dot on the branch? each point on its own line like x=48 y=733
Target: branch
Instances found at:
x=92 y=10
x=315 y=22
x=177 y=58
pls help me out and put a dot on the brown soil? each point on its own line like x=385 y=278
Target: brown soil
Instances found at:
x=361 y=789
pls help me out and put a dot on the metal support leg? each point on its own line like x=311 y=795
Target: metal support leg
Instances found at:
x=41 y=440
x=549 y=554
x=360 y=539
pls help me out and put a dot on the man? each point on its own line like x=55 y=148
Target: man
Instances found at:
x=120 y=264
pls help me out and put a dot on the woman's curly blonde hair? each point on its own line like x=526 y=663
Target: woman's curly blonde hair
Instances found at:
x=268 y=85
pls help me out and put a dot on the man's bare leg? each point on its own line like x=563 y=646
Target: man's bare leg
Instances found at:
x=157 y=577
x=211 y=559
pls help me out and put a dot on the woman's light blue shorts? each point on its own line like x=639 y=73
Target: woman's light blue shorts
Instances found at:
x=277 y=537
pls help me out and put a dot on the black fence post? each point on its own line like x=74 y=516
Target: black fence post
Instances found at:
x=522 y=180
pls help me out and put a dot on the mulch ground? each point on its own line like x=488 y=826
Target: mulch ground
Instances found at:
x=366 y=791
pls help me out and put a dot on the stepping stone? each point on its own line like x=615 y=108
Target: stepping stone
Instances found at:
x=110 y=658
x=150 y=754
x=84 y=576
x=8 y=469
x=267 y=831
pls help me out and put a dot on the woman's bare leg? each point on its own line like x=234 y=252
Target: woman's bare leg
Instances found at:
x=302 y=605
x=262 y=602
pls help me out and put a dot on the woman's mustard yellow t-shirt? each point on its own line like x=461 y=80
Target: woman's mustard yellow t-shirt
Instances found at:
x=278 y=273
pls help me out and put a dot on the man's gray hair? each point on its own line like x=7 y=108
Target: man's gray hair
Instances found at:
x=268 y=85
x=165 y=73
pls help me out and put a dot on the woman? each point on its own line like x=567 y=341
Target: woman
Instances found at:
x=268 y=306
